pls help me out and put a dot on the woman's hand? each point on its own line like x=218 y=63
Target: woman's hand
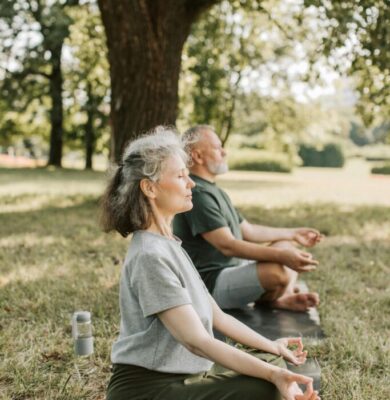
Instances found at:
x=296 y=356
x=287 y=384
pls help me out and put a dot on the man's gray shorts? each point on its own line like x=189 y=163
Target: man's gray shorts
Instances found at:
x=237 y=286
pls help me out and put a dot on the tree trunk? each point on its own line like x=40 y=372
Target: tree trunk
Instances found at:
x=56 y=112
x=89 y=130
x=89 y=140
x=145 y=39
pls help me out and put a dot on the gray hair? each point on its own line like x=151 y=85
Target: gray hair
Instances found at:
x=124 y=206
x=192 y=135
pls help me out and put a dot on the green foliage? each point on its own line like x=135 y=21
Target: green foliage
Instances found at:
x=358 y=134
x=87 y=80
x=362 y=136
x=382 y=169
x=26 y=87
x=256 y=160
x=224 y=49
x=33 y=39
x=355 y=39
x=280 y=125
x=330 y=156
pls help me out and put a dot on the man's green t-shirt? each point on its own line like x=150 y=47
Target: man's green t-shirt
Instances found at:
x=212 y=209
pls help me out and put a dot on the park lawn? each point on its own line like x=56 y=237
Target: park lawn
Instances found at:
x=55 y=260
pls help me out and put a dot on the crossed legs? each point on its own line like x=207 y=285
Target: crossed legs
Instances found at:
x=279 y=284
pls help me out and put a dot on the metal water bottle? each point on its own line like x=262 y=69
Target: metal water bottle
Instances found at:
x=82 y=333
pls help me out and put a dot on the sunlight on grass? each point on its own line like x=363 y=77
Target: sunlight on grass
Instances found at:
x=352 y=185
x=26 y=240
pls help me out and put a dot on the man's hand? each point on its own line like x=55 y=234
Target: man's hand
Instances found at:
x=298 y=260
x=306 y=237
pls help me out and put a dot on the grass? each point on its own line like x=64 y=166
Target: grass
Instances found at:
x=258 y=160
x=54 y=260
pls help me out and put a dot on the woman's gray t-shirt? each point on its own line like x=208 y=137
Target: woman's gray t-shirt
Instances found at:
x=158 y=275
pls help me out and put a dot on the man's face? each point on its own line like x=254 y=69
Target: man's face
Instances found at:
x=212 y=152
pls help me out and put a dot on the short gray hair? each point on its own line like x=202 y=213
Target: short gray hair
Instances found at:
x=192 y=135
x=124 y=206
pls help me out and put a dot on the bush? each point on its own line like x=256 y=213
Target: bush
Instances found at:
x=382 y=169
x=330 y=156
x=256 y=160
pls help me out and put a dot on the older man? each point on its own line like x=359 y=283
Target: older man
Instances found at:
x=239 y=262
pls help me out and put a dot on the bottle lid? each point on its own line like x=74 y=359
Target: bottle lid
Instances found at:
x=83 y=316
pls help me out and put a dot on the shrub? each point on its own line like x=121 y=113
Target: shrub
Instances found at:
x=255 y=160
x=381 y=169
x=330 y=156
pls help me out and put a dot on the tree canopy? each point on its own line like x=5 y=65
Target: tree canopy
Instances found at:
x=63 y=67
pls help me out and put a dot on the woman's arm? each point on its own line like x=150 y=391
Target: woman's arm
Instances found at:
x=185 y=325
x=236 y=330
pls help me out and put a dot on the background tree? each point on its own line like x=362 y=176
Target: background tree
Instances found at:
x=87 y=81
x=145 y=39
x=355 y=38
x=238 y=44
x=33 y=37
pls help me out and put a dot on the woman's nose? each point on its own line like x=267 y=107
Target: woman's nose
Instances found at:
x=190 y=183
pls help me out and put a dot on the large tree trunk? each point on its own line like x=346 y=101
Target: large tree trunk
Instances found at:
x=145 y=40
x=56 y=112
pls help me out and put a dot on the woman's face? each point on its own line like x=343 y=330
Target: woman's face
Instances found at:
x=173 y=189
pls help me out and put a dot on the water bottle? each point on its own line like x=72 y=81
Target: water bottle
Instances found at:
x=83 y=342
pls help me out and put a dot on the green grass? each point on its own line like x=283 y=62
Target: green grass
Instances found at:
x=54 y=260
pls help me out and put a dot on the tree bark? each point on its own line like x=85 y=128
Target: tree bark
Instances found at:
x=56 y=112
x=145 y=40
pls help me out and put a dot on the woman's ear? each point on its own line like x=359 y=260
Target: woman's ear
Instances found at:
x=148 y=188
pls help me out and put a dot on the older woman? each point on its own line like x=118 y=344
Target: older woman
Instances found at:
x=166 y=347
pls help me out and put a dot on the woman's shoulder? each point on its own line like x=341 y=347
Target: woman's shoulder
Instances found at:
x=147 y=246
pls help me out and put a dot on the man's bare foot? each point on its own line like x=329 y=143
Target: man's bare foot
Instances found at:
x=296 y=302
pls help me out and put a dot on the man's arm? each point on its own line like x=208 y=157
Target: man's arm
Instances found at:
x=262 y=234
x=254 y=233
x=227 y=244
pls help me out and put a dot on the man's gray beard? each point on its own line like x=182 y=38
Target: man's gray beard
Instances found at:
x=218 y=169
